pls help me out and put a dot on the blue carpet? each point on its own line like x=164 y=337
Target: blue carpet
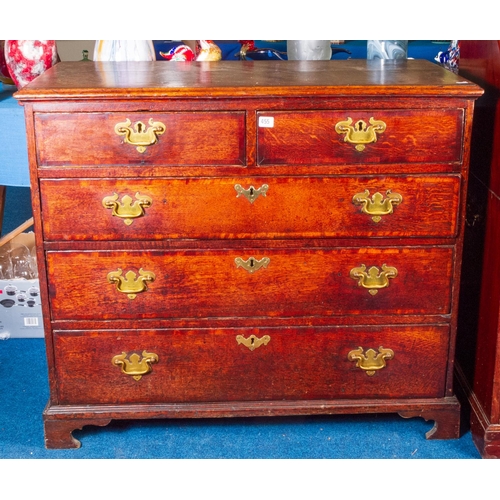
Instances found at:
x=24 y=393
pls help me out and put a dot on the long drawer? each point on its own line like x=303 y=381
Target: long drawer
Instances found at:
x=250 y=207
x=271 y=282
x=239 y=364
x=359 y=136
x=197 y=138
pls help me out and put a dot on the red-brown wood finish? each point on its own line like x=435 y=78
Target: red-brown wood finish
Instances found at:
x=284 y=369
x=222 y=339
x=478 y=356
x=212 y=208
x=209 y=283
x=71 y=139
x=300 y=138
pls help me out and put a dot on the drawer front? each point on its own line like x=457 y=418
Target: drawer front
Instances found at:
x=251 y=365
x=105 y=285
x=338 y=137
x=198 y=138
x=235 y=208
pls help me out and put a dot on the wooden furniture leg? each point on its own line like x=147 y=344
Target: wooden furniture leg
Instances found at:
x=58 y=432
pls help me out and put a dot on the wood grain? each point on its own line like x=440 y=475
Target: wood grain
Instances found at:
x=197 y=227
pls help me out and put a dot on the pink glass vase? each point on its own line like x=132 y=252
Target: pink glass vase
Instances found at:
x=27 y=59
x=4 y=71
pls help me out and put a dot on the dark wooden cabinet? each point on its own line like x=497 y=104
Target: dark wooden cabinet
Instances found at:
x=478 y=353
x=249 y=238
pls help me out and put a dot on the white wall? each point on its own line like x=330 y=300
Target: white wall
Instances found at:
x=71 y=50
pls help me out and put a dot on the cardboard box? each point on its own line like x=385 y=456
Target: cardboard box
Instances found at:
x=20 y=303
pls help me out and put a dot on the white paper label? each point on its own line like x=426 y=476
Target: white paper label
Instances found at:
x=266 y=121
x=30 y=321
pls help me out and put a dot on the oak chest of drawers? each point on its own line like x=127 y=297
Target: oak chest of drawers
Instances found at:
x=248 y=238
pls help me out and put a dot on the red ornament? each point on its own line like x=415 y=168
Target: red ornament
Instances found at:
x=179 y=53
x=27 y=59
x=4 y=71
x=247 y=44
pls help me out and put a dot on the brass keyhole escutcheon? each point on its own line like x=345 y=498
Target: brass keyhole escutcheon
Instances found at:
x=139 y=135
x=253 y=342
x=135 y=365
x=127 y=209
x=251 y=194
x=252 y=264
x=376 y=206
x=131 y=284
x=375 y=278
x=360 y=133
x=370 y=361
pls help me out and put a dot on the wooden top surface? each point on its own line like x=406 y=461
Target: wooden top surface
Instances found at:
x=90 y=80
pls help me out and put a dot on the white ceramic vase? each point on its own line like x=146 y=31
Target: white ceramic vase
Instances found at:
x=124 y=50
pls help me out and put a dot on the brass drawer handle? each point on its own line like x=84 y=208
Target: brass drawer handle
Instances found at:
x=376 y=206
x=361 y=133
x=253 y=342
x=252 y=264
x=131 y=284
x=139 y=135
x=134 y=364
x=375 y=278
x=251 y=194
x=128 y=209
x=371 y=361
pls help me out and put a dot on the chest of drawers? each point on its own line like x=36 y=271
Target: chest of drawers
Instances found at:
x=248 y=238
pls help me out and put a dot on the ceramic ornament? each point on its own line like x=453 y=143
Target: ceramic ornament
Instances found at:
x=179 y=53
x=450 y=58
x=387 y=49
x=207 y=50
x=27 y=59
x=124 y=50
x=309 y=50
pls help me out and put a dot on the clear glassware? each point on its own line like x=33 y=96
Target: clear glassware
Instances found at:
x=5 y=264
x=20 y=257
x=33 y=263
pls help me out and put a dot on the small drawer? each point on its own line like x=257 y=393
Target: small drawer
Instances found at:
x=103 y=139
x=135 y=284
x=301 y=363
x=253 y=207
x=355 y=136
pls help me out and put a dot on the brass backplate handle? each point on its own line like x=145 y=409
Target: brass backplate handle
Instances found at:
x=134 y=364
x=374 y=278
x=252 y=264
x=131 y=284
x=127 y=209
x=377 y=205
x=370 y=361
x=360 y=133
x=251 y=194
x=139 y=135
x=253 y=342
